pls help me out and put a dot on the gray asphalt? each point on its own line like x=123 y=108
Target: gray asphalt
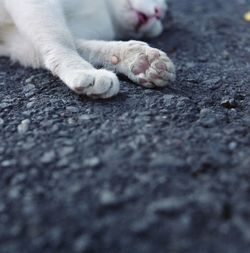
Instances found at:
x=148 y=171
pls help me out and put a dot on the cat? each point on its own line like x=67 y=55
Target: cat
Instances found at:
x=73 y=37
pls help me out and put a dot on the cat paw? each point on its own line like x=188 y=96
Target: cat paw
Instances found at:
x=148 y=66
x=93 y=83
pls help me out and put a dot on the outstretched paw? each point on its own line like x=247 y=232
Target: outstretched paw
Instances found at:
x=93 y=83
x=148 y=66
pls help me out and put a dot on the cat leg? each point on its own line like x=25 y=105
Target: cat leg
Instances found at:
x=141 y=63
x=43 y=24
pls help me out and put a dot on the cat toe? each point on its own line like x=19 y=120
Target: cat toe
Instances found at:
x=109 y=86
x=162 y=72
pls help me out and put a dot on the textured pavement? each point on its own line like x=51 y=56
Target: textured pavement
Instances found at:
x=149 y=171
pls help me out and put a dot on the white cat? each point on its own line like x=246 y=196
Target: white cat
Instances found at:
x=70 y=37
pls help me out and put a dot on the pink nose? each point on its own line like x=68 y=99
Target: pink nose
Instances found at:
x=157 y=12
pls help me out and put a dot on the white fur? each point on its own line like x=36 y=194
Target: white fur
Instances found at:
x=70 y=37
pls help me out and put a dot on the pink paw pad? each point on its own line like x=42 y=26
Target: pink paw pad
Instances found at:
x=141 y=66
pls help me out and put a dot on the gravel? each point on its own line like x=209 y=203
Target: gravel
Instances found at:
x=24 y=126
x=163 y=170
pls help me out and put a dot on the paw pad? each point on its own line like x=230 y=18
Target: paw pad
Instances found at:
x=152 y=67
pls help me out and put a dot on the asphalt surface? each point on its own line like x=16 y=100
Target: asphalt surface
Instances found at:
x=150 y=171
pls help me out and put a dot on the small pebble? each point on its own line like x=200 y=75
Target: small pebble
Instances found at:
x=247 y=16
x=4 y=106
x=48 y=157
x=232 y=145
x=168 y=205
x=24 y=126
x=92 y=162
x=82 y=243
x=143 y=225
x=30 y=79
x=30 y=105
x=1 y=121
x=86 y=117
x=66 y=151
x=72 y=109
x=228 y=103
x=29 y=87
x=2 y=207
x=8 y=163
x=232 y=112
x=14 y=192
x=18 y=178
x=107 y=198
x=71 y=121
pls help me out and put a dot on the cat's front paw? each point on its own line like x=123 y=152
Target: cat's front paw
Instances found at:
x=93 y=83
x=148 y=66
